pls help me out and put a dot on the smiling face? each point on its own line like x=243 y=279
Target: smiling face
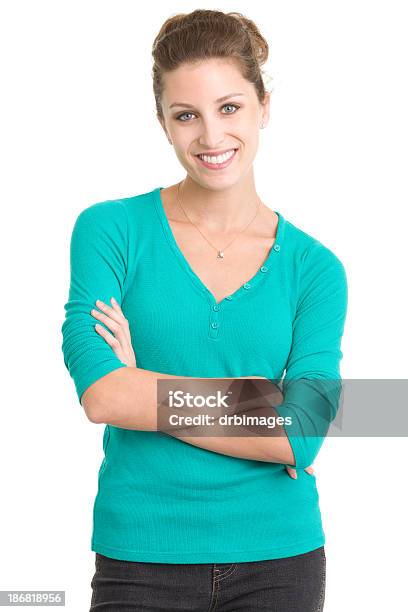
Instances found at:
x=209 y=108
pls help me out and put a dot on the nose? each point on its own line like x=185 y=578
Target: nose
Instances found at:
x=211 y=135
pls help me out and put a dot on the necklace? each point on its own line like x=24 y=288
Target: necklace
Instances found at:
x=220 y=253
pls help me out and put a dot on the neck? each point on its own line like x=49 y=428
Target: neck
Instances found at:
x=225 y=210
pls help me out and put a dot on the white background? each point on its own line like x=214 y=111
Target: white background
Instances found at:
x=78 y=126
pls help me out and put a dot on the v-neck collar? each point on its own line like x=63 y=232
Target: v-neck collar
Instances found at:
x=252 y=283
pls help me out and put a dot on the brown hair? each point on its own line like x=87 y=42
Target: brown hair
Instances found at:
x=203 y=34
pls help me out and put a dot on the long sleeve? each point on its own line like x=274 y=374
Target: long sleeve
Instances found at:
x=98 y=262
x=312 y=384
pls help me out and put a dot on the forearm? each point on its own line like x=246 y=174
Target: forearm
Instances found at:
x=128 y=399
x=274 y=449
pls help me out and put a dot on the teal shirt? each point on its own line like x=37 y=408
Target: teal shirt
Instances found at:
x=163 y=500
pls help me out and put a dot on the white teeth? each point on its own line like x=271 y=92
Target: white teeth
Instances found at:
x=219 y=159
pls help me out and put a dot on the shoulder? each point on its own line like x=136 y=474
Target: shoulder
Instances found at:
x=102 y=225
x=313 y=254
x=115 y=215
x=316 y=272
x=99 y=213
x=118 y=207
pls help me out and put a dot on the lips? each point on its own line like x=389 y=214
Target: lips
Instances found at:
x=216 y=153
x=217 y=166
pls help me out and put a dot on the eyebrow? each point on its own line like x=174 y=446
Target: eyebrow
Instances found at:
x=215 y=102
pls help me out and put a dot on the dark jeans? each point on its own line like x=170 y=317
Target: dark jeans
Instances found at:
x=290 y=584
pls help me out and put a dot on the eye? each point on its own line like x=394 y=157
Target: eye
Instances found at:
x=179 y=118
x=234 y=105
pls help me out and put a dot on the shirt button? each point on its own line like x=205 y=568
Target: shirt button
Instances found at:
x=276 y=247
x=247 y=286
x=264 y=268
x=214 y=324
x=216 y=307
x=228 y=297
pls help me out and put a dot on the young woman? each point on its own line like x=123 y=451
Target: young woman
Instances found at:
x=202 y=280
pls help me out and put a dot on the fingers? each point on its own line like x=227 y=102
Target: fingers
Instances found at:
x=116 y=307
x=293 y=474
x=120 y=340
x=111 y=340
x=114 y=312
x=113 y=318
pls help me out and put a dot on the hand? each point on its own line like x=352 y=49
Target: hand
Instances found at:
x=120 y=341
x=292 y=471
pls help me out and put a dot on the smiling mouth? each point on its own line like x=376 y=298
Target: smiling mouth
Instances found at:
x=216 y=166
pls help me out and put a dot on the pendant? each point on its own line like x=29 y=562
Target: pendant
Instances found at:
x=220 y=255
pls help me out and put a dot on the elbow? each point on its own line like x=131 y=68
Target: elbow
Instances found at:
x=91 y=405
x=101 y=400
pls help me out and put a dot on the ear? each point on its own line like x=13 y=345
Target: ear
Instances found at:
x=265 y=108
